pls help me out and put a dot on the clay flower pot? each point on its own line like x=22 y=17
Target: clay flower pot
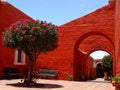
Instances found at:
x=116 y=82
x=113 y=82
x=117 y=86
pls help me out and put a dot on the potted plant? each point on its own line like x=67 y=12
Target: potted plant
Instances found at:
x=83 y=78
x=69 y=76
x=107 y=78
x=116 y=82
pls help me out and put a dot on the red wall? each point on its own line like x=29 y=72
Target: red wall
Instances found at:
x=78 y=35
x=89 y=71
x=8 y=15
x=117 y=38
x=77 y=39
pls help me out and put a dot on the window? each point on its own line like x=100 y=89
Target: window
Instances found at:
x=19 y=57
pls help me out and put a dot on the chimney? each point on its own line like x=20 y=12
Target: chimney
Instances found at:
x=111 y=1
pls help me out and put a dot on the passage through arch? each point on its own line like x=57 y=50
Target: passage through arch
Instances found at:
x=86 y=44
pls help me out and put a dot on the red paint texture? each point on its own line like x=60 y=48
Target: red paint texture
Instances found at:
x=117 y=39
x=79 y=38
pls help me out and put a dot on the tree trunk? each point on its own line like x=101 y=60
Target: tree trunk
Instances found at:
x=31 y=68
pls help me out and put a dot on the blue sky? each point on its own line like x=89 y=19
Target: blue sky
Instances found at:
x=59 y=11
x=98 y=54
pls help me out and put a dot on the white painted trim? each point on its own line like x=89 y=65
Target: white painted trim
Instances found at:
x=16 y=58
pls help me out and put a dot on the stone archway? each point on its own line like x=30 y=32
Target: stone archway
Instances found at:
x=96 y=63
x=97 y=67
x=83 y=49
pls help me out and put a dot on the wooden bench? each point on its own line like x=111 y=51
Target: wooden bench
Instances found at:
x=11 y=73
x=47 y=74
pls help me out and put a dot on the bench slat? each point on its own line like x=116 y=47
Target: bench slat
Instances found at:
x=48 y=73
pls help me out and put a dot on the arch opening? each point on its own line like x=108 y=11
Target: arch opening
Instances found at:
x=83 y=61
x=102 y=63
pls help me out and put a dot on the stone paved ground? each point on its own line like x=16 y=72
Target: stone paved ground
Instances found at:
x=98 y=84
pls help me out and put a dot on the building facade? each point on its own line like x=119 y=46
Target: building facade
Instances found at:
x=98 y=30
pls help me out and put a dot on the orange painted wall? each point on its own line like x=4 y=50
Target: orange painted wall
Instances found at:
x=117 y=38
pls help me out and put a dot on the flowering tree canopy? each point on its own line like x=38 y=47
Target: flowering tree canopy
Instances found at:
x=33 y=37
x=37 y=36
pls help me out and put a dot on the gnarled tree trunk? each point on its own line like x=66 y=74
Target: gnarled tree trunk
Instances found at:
x=31 y=67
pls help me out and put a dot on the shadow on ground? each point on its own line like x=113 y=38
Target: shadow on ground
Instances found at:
x=37 y=85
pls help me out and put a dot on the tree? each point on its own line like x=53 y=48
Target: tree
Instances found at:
x=107 y=64
x=32 y=37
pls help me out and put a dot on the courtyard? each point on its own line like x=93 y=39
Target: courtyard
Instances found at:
x=98 y=84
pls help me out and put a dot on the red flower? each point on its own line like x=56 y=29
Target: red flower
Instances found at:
x=34 y=28
x=51 y=27
x=18 y=22
x=51 y=33
x=44 y=31
x=25 y=36
x=15 y=30
x=26 y=20
x=56 y=44
x=4 y=42
x=21 y=31
x=37 y=21
x=44 y=24
x=3 y=33
x=12 y=26
x=32 y=39
x=9 y=35
x=25 y=27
